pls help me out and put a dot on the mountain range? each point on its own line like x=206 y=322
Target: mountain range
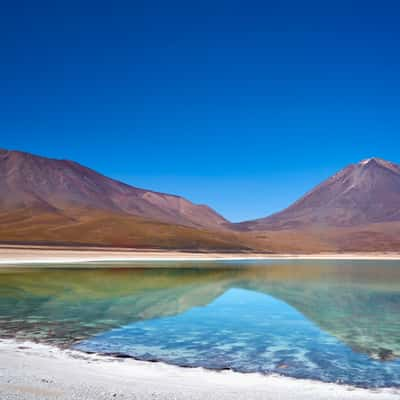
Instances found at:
x=49 y=201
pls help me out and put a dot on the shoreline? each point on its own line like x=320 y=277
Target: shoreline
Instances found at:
x=21 y=255
x=38 y=371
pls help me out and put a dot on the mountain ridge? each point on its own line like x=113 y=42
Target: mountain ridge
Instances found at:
x=31 y=181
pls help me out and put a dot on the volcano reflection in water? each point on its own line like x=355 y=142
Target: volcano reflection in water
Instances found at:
x=333 y=321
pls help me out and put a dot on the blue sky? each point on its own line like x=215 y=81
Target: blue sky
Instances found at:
x=242 y=105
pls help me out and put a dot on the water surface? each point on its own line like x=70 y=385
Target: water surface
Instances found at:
x=332 y=321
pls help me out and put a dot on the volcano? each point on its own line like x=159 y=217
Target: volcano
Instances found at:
x=364 y=193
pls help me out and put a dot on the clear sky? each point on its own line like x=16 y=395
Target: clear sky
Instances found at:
x=242 y=105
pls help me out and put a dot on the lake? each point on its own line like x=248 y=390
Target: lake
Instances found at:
x=325 y=320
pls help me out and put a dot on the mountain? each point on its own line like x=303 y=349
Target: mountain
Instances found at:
x=59 y=202
x=359 y=195
x=47 y=185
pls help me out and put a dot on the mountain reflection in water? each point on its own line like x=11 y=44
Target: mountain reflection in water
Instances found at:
x=358 y=303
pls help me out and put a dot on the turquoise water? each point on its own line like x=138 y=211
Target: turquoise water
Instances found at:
x=335 y=322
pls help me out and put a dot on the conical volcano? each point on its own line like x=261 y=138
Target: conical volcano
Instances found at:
x=363 y=193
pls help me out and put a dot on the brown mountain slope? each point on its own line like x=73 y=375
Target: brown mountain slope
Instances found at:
x=87 y=227
x=361 y=194
x=382 y=237
x=101 y=228
x=38 y=183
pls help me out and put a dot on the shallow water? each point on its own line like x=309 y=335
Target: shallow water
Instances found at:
x=332 y=321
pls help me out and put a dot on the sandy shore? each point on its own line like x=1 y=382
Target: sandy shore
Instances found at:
x=38 y=372
x=47 y=255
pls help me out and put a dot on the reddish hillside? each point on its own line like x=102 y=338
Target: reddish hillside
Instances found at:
x=37 y=183
x=361 y=194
